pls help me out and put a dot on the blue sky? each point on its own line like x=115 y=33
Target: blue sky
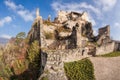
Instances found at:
x=18 y=15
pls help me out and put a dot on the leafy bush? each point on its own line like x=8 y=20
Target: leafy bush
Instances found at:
x=113 y=54
x=33 y=51
x=5 y=71
x=20 y=66
x=34 y=55
x=34 y=59
x=79 y=70
x=21 y=35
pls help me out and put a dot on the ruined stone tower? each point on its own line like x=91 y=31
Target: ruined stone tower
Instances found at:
x=36 y=33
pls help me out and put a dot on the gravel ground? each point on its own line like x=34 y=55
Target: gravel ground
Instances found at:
x=106 y=68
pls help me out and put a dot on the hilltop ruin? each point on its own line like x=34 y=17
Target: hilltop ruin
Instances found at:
x=66 y=39
x=69 y=30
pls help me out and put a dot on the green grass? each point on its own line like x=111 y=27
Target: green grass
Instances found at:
x=113 y=54
x=79 y=70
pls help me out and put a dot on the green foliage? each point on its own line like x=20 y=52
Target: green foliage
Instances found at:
x=21 y=35
x=33 y=51
x=79 y=70
x=113 y=54
x=34 y=55
x=11 y=68
x=5 y=71
x=34 y=59
x=49 y=35
x=20 y=66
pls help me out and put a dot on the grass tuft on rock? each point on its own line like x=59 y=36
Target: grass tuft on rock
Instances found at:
x=44 y=78
x=79 y=70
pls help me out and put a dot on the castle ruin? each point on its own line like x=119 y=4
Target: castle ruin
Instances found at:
x=65 y=38
x=69 y=30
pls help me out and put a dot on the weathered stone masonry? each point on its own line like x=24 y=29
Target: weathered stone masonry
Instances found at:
x=55 y=62
x=68 y=46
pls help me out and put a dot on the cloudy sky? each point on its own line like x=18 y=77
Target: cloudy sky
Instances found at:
x=18 y=15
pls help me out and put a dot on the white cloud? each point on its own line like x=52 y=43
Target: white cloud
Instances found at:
x=26 y=15
x=20 y=10
x=74 y=7
x=92 y=20
x=117 y=25
x=78 y=7
x=106 y=4
x=5 y=20
x=6 y=36
x=11 y=5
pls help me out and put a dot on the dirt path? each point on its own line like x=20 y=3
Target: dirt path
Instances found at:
x=106 y=68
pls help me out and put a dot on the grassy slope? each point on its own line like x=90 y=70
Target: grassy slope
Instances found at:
x=79 y=70
x=113 y=54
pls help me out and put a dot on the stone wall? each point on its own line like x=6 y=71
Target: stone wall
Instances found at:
x=117 y=46
x=62 y=16
x=105 y=30
x=106 y=48
x=104 y=35
x=54 y=68
x=54 y=62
